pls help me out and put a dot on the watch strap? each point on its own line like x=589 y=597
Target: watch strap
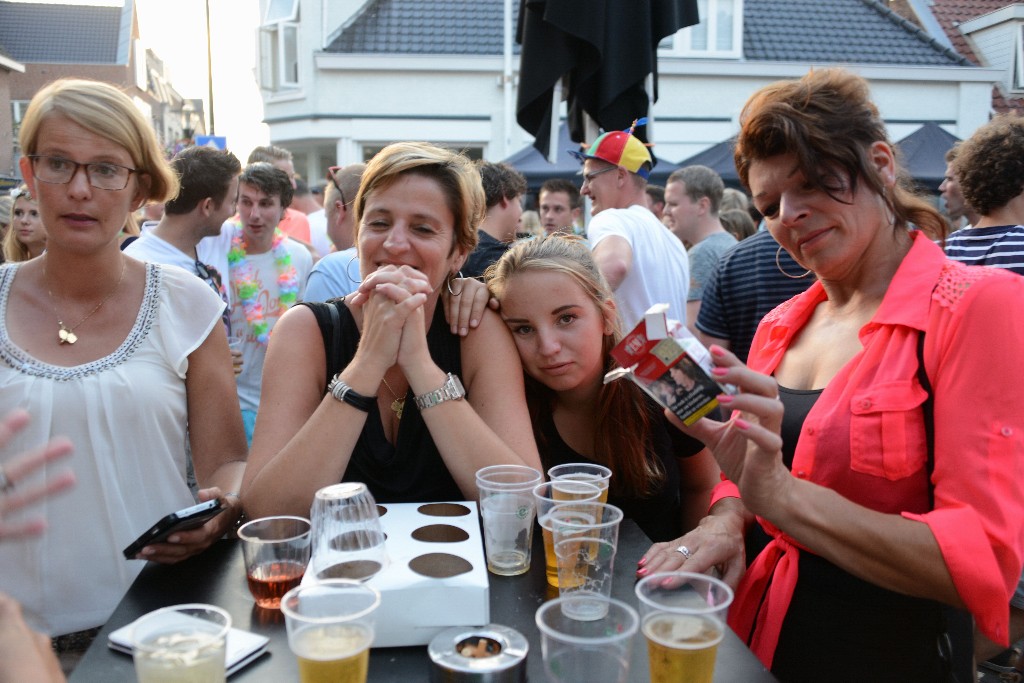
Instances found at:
x=451 y=390
x=346 y=394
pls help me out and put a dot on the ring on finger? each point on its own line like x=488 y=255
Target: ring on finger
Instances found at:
x=684 y=551
x=6 y=485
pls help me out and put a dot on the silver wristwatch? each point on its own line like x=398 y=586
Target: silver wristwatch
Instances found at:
x=451 y=390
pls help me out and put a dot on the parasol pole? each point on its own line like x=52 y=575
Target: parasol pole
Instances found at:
x=506 y=77
x=649 y=88
x=556 y=106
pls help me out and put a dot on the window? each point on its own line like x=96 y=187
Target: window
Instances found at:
x=279 y=46
x=719 y=33
x=281 y=10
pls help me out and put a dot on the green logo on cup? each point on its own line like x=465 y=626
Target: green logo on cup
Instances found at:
x=523 y=512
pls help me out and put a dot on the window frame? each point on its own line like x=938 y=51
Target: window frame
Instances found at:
x=681 y=41
x=1018 y=60
x=279 y=66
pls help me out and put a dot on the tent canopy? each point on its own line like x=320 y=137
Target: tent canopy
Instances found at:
x=719 y=159
x=924 y=154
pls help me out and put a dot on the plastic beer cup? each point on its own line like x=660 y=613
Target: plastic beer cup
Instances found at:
x=683 y=620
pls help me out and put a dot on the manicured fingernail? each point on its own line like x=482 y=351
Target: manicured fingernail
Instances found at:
x=642 y=562
x=716 y=350
x=719 y=372
x=474 y=323
x=742 y=424
x=641 y=572
x=463 y=331
x=724 y=399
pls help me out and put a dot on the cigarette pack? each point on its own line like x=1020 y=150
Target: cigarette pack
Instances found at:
x=668 y=363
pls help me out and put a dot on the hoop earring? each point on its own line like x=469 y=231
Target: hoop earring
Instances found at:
x=448 y=284
x=348 y=272
x=779 y=266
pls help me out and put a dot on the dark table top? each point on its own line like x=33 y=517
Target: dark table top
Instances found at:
x=218 y=577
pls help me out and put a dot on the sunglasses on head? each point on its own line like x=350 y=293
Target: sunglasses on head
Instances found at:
x=330 y=176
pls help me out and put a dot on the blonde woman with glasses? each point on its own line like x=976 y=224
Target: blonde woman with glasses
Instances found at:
x=128 y=360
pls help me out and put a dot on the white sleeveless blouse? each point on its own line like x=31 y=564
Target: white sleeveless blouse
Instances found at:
x=126 y=415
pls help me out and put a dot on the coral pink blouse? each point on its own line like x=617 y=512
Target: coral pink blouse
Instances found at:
x=865 y=437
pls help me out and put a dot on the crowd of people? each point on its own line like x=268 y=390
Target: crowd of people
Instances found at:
x=404 y=323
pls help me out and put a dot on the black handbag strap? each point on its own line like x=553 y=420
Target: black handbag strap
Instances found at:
x=328 y=319
x=956 y=641
x=928 y=408
x=332 y=360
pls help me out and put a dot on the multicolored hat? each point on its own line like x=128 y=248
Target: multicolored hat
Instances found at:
x=621 y=148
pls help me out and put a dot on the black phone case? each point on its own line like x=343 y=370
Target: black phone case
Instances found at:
x=182 y=520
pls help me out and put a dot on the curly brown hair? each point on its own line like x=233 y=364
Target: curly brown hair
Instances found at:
x=990 y=164
x=828 y=121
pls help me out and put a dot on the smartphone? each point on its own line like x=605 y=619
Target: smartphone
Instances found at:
x=182 y=520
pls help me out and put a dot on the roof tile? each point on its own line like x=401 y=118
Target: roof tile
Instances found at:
x=857 y=31
x=35 y=32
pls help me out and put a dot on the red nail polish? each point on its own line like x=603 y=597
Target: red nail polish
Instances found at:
x=724 y=399
x=742 y=424
x=716 y=350
x=642 y=562
x=641 y=572
x=719 y=372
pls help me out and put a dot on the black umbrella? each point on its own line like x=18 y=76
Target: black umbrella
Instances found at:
x=602 y=50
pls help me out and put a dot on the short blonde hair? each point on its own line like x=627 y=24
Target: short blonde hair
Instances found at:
x=454 y=172
x=104 y=110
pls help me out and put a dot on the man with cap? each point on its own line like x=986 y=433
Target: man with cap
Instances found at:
x=643 y=262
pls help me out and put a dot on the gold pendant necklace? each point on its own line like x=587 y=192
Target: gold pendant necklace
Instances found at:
x=398 y=405
x=66 y=334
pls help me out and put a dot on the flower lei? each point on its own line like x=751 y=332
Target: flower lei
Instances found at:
x=244 y=277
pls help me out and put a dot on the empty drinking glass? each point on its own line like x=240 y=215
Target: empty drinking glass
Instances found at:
x=348 y=542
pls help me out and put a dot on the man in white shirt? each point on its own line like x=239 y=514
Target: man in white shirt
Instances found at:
x=643 y=262
x=209 y=190
x=267 y=272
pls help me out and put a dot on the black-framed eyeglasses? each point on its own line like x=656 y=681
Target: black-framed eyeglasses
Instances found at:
x=102 y=175
x=589 y=177
x=330 y=176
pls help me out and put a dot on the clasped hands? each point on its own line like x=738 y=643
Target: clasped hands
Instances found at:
x=394 y=325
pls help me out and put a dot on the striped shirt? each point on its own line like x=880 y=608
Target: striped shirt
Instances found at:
x=1001 y=246
x=744 y=287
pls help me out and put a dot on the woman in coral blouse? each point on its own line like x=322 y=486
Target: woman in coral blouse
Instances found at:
x=867 y=499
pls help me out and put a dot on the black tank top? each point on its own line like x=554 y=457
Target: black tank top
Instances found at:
x=411 y=470
x=839 y=627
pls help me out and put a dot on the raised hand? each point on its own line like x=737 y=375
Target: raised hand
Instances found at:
x=466 y=306
x=15 y=496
